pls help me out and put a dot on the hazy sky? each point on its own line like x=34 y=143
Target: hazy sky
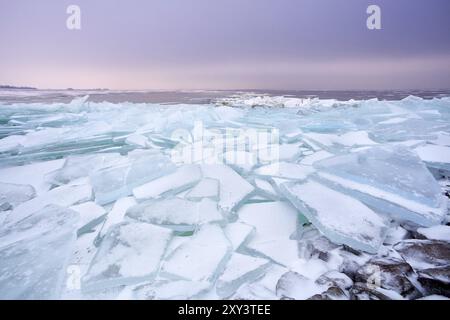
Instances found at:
x=226 y=44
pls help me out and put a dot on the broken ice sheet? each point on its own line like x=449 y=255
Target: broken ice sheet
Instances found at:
x=79 y=166
x=436 y=157
x=239 y=269
x=232 y=187
x=289 y=152
x=34 y=254
x=391 y=179
x=129 y=253
x=117 y=213
x=263 y=288
x=202 y=258
x=13 y=194
x=238 y=233
x=285 y=170
x=440 y=232
x=274 y=223
x=91 y=214
x=176 y=213
x=112 y=183
x=313 y=158
x=293 y=285
x=206 y=188
x=138 y=140
x=265 y=187
x=242 y=161
x=31 y=174
x=349 y=139
x=64 y=196
x=183 y=178
x=342 y=219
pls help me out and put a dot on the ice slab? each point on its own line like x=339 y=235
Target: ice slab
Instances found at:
x=342 y=219
x=13 y=194
x=437 y=157
x=232 y=187
x=285 y=170
x=410 y=129
x=313 y=158
x=239 y=270
x=91 y=214
x=265 y=187
x=206 y=188
x=116 y=182
x=440 y=232
x=274 y=223
x=293 y=285
x=34 y=254
x=349 y=139
x=202 y=258
x=117 y=213
x=83 y=252
x=63 y=196
x=264 y=288
x=31 y=174
x=79 y=166
x=176 y=213
x=138 y=140
x=182 y=179
x=238 y=233
x=289 y=152
x=242 y=161
x=129 y=253
x=391 y=179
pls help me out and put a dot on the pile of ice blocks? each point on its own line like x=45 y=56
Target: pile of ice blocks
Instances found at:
x=96 y=202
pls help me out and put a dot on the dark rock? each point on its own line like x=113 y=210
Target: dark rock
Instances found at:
x=333 y=293
x=5 y=206
x=361 y=291
x=351 y=250
x=424 y=254
x=436 y=280
x=388 y=273
x=335 y=279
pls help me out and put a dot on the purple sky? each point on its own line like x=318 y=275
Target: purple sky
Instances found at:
x=226 y=44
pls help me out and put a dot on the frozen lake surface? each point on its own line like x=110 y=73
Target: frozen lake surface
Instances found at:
x=224 y=195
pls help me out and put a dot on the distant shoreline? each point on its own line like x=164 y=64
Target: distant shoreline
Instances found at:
x=17 y=87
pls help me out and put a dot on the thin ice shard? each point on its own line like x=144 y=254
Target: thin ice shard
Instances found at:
x=34 y=254
x=342 y=219
x=202 y=258
x=129 y=253
x=391 y=179
x=176 y=213
x=180 y=180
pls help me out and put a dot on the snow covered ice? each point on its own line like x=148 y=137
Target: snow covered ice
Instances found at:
x=271 y=197
x=344 y=220
x=130 y=252
x=392 y=179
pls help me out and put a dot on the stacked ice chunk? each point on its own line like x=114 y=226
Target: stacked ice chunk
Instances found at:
x=391 y=179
